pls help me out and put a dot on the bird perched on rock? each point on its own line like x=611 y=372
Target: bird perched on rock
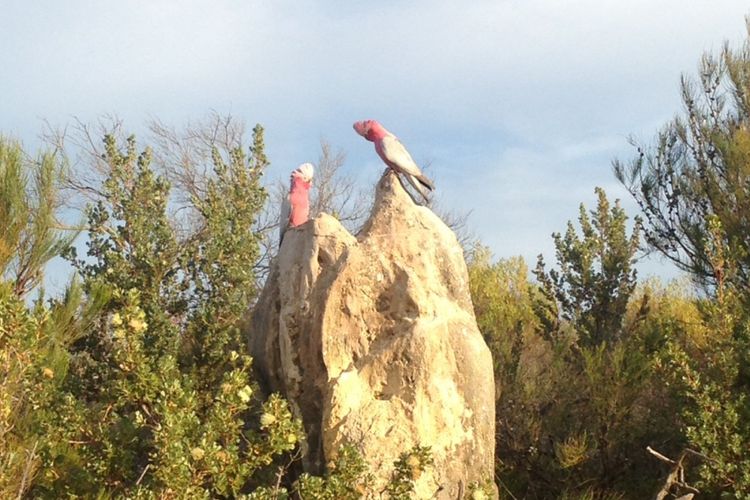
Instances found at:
x=295 y=209
x=395 y=155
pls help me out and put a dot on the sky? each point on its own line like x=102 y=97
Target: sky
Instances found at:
x=519 y=106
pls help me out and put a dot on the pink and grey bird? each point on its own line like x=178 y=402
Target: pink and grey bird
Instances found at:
x=395 y=155
x=295 y=209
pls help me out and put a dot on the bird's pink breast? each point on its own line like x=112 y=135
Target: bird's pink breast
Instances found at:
x=379 y=151
x=299 y=199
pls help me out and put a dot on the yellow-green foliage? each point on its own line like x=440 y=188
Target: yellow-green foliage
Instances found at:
x=710 y=371
x=162 y=379
x=693 y=183
x=573 y=450
x=501 y=294
x=135 y=383
x=28 y=201
x=696 y=171
x=33 y=338
x=580 y=398
x=23 y=378
x=407 y=469
x=347 y=479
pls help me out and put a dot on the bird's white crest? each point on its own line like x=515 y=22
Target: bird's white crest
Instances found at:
x=306 y=171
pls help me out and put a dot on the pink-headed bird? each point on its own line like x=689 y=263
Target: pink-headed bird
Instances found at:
x=295 y=209
x=395 y=155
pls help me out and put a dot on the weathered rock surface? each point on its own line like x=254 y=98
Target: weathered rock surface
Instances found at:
x=373 y=341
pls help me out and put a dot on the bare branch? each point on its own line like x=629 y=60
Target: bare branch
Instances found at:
x=676 y=477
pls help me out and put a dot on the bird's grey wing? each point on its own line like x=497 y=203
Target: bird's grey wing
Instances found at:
x=396 y=154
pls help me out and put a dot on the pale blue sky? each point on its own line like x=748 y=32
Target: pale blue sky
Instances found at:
x=520 y=106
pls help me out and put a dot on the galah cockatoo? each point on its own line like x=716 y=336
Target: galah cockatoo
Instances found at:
x=395 y=155
x=295 y=209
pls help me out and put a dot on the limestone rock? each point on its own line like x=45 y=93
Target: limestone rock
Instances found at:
x=373 y=341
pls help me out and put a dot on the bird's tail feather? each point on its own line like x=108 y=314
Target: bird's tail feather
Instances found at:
x=425 y=182
x=418 y=185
